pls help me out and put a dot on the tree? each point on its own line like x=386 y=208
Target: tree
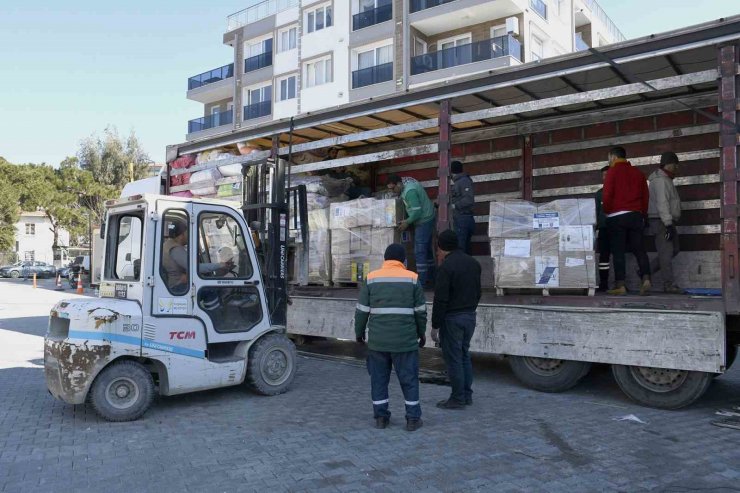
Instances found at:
x=9 y=210
x=109 y=158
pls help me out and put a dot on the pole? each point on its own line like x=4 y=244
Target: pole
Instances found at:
x=443 y=172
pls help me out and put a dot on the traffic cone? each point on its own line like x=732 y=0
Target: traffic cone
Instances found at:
x=59 y=283
x=79 y=284
x=34 y=280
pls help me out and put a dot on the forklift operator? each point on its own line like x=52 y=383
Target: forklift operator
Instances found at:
x=175 y=259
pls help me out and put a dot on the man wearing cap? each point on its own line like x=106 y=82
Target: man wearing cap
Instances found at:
x=664 y=212
x=392 y=311
x=457 y=292
x=462 y=201
x=419 y=214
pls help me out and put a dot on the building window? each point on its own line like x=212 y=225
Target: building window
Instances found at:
x=498 y=31
x=537 y=49
x=30 y=229
x=420 y=47
x=29 y=256
x=319 y=72
x=540 y=7
x=287 y=88
x=373 y=66
x=287 y=39
x=377 y=56
x=260 y=103
x=319 y=18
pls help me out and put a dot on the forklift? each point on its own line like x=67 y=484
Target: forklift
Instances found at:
x=188 y=301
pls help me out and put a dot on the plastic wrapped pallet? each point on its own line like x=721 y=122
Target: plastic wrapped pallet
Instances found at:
x=354 y=268
x=548 y=245
x=318 y=269
x=387 y=213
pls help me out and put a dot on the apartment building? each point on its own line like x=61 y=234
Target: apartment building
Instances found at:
x=293 y=57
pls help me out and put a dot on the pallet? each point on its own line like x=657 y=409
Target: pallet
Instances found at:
x=324 y=284
x=503 y=291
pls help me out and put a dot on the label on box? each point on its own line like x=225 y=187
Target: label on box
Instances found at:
x=546 y=272
x=574 y=262
x=517 y=248
x=546 y=220
x=360 y=270
x=576 y=238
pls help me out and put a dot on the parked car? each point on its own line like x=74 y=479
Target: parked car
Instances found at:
x=64 y=271
x=41 y=269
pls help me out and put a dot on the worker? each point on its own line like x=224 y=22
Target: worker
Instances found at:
x=602 y=236
x=664 y=212
x=392 y=310
x=457 y=292
x=462 y=202
x=420 y=214
x=625 y=199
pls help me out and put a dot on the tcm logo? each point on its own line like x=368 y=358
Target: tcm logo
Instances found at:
x=182 y=335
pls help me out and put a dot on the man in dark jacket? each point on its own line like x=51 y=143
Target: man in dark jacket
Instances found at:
x=393 y=310
x=626 y=198
x=462 y=202
x=456 y=295
x=602 y=236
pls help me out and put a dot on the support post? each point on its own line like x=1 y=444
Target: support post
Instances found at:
x=729 y=90
x=443 y=172
x=527 y=168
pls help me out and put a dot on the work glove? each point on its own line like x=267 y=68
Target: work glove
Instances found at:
x=361 y=339
x=670 y=232
x=422 y=341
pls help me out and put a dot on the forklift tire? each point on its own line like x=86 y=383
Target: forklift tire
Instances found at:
x=661 y=388
x=548 y=375
x=272 y=364
x=122 y=392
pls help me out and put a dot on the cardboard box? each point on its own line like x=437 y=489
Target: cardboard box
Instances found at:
x=388 y=213
x=360 y=241
x=354 y=268
x=340 y=242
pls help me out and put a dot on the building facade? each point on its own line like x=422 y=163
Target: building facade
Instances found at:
x=34 y=240
x=294 y=57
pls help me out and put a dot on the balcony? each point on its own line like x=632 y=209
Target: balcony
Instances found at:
x=417 y=5
x=257 y=11
x=469 y=53
x=257 y=62
x=371 y=17
x=257 y=110
x=588 y=11
x=215 y=75
x=540 y=7
x=372 y=75
x=210 y=121
x=581 y=45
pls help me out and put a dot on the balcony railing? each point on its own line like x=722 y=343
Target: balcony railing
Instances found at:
x=257 y=110
x=257 y=62
x=211 y=76
x=467 y=53
x=371 y=17
x=258 y=10
x=594 y=7
x=417 y=5
x=540 y=7
x=211 y=121
x=372 y=75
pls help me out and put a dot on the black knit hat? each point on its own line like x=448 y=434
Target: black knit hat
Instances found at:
x=668 y=158
x=456 y=167
x=395 y=252
x=447 y=240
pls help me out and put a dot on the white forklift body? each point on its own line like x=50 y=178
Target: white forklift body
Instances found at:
x=155 y=329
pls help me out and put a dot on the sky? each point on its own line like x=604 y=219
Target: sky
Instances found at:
x=70 y=68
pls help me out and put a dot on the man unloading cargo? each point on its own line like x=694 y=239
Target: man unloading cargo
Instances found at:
x=420 y=214
x=625 y=200
x=664 y=212
x=462 y=202
x=602 y=236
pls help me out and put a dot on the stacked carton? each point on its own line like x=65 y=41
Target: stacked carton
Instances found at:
x=361 y=230
x=548 y=245
x=317 y=269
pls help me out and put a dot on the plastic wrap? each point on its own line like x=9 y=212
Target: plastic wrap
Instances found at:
x=548 y=245
x=323 y=185
x=354 y=268
x=207 y=182
x=319 y=249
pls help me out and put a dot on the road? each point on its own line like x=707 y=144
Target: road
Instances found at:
x=319 y=436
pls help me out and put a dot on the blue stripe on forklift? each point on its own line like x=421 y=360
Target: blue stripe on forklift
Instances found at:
x=135 y=341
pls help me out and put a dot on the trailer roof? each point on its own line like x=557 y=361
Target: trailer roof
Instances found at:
x=676 y=63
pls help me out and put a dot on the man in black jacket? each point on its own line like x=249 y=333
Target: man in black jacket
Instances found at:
x=462 y=201
x=456 y=296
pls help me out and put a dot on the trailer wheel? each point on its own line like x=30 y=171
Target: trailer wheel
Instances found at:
x=659 y=387
x=272 y=364
x=122 y=392
x=548 y=375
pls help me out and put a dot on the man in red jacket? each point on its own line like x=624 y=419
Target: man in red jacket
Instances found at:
x=626 y=198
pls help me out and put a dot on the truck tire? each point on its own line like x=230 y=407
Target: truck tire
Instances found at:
x=548 y=375
x=661 y=388
x=122 y=392
x=271 y=364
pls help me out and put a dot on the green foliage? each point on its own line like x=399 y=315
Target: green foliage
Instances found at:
x=109 y=158
x=9 y=210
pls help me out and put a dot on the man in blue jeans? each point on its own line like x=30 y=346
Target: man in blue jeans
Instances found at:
x=462 y=200
x=456 y=295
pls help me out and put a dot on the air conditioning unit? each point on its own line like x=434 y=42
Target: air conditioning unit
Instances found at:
x=512 y=25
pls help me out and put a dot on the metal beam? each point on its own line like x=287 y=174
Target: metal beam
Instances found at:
x=443 y=172
x=572 y=85
x=366 y=158
x=527 y=168
x=535 y=98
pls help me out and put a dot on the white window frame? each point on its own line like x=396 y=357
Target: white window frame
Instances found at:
x=280 y=47
x=30 y=229
x=455 y=39
x=493 y=29
x=423 y=43
x=261 y=89
x=313 y=11
x=536 y=56
x=279 y=88
x=325 y=59
x=374 y=47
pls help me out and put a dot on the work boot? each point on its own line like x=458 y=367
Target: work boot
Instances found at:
x=672 y=289
x=381 y=423
x=450 y=404
x=413 y=424
x=619 y=289
x=645 y=286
